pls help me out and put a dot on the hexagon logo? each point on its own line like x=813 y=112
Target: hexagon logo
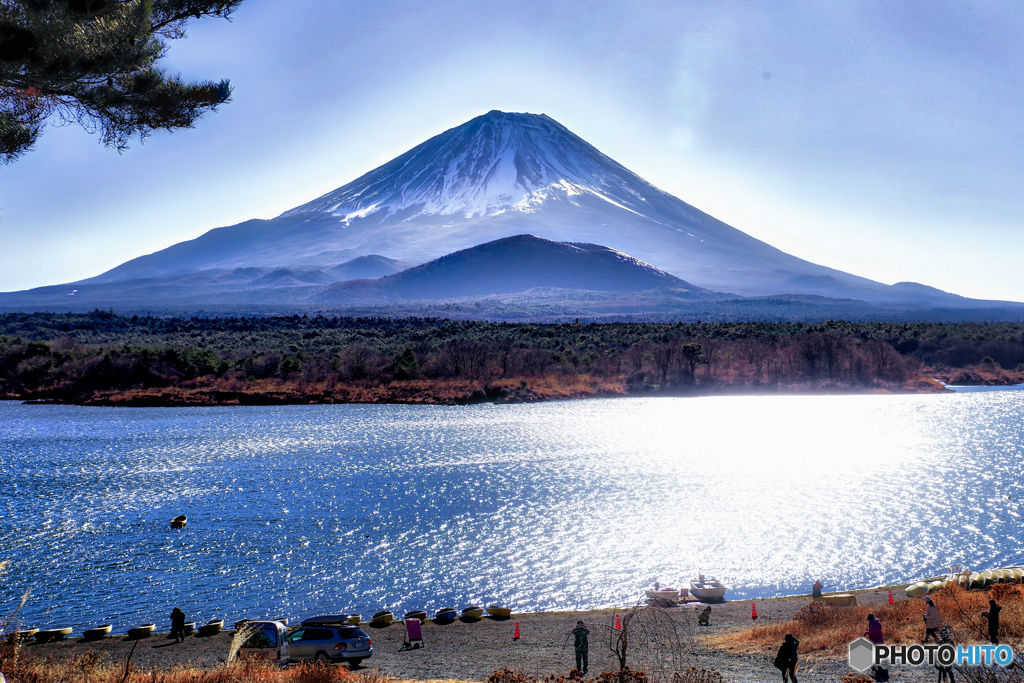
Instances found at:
x=862 y=654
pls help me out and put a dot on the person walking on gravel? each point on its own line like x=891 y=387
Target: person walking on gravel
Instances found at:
x=582 y=645
x=786 y=660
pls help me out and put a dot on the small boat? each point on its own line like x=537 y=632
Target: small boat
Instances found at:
x=179 y=521
x=382 y=618
x=708 y=589
x=241 y=623
x=916 y=590
x=472 y=612
x=139 y=632
x=190 y=626
x=47 y=635
x=354 y=619
x=325 y=619
x=97 y=633
x=416 y=614
x=25 y=635
x=499 y=612
x=211 y=628
x=446 y=614
x=670 y=593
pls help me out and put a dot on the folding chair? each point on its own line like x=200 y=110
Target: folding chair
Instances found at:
x=413 y=635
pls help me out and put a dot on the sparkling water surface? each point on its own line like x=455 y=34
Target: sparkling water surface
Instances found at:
x=299 y=510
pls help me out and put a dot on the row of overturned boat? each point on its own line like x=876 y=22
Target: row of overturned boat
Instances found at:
x=441 y=616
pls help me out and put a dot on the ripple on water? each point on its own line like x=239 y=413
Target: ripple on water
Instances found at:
x=301 y=509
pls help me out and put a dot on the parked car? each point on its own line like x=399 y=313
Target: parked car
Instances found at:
x=269 y=640
x=330 y=643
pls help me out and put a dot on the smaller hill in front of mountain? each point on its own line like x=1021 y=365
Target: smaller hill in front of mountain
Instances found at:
x=509 y=265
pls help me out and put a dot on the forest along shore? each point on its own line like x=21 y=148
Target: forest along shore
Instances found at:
x=105 y=359
x=472 y=651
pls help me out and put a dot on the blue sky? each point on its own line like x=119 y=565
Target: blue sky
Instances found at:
x=884 y=139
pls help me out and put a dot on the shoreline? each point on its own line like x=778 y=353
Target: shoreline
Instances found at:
x=471 y=651
x=479 y=394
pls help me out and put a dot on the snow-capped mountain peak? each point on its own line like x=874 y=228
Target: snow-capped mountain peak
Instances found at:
x=495 y=163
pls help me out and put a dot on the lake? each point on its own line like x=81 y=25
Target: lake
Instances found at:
x=298 y=510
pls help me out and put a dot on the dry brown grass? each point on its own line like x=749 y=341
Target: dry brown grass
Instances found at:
x=90 y=668
x=827 y=630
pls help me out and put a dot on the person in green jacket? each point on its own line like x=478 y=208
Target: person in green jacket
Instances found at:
x=582 y=646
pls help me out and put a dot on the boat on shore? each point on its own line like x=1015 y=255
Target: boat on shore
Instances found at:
x=708 y=589
x=47 y=635
x=446 y=614
x=211 y=628
x=499 y=612
x=382 y=618
x=662 y=597
x=97 y=633
x=473 y=612
x=139 y=632
x=416 y=614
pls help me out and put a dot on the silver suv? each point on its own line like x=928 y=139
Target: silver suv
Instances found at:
x=330 y=643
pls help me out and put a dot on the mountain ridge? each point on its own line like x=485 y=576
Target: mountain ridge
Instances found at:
x=496 y=176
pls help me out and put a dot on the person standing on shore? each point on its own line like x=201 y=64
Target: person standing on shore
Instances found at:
x=874 y=634
x=178 y=625
x=932 y=622
x=582 y=646
x=816 y=590
x=786 y=660
x=993 y=621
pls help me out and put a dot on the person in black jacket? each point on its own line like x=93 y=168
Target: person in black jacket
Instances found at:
x=178 y=625
x=785 y=661
x=993 y=621
x=582 y=646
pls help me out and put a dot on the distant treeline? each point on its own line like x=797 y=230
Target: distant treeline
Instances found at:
x=106 y=358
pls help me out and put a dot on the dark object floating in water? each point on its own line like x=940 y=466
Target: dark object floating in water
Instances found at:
x=179 y=521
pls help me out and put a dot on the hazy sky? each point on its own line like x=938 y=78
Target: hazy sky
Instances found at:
x=881 y=138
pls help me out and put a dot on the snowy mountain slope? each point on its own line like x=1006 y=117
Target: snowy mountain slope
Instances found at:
x=504 y=174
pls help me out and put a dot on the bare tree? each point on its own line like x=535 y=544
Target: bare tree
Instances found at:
x=662 y=355
x=506 y=353
x=355 y=361
x=653 y=638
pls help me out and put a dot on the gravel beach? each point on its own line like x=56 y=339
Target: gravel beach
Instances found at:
x=472 y=650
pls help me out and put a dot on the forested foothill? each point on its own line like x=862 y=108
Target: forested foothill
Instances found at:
x=107 y=359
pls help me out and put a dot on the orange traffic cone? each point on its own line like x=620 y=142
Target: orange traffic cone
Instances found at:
x=890 y=598
x=515 y=636
x=618 y=623
x=753 y=611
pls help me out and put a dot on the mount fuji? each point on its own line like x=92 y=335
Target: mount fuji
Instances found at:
x=496 y=176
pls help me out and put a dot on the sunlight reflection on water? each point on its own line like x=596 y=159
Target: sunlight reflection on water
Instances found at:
x=302 y=509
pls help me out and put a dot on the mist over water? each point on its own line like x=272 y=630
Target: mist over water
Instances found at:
x=298 y=510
